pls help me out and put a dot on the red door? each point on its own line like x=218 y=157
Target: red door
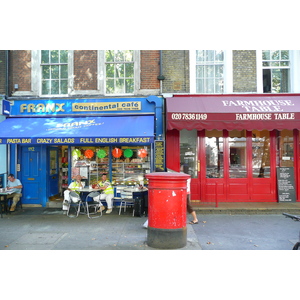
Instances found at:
x=233 y=167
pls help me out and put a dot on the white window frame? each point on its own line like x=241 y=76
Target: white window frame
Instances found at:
x=36 y=75
x=102 y=73
x=294 y=71
x=228 y=79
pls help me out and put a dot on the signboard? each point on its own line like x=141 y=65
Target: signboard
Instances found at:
x=159 y=150
x=79 y=140
x=62 y=107
x=286 y=184
x=233 y=112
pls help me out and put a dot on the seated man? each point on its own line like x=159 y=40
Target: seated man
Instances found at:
x=107 y=194
x=14 y=185
x=74 y=186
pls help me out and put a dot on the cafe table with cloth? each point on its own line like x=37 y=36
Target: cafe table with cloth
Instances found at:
x=5 y=195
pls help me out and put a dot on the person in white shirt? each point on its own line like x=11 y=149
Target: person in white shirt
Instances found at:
x=14 y=185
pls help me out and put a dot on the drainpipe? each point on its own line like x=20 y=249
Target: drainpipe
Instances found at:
x=160 y=77
x=7 y=81
x=7 y=84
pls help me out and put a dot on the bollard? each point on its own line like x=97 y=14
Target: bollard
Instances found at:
x=167 y=194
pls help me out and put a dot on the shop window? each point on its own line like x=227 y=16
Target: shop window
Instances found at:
x=188 y=152
x=126 y=165
x=130 y=164
x=90 y=163
x=237 y=154
x=210 y=71
x=214 y=147
x=285 y=148
x=119 y=70
x=276 y=71
x=261 y=154
x=54 y=72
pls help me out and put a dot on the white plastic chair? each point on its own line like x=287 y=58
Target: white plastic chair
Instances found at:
x=76 y=202
x=92 y=204
x=126 y=201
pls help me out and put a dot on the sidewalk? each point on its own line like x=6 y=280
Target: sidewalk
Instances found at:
x=37 y=228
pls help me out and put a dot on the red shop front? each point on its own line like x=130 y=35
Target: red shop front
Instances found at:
x=232 y=145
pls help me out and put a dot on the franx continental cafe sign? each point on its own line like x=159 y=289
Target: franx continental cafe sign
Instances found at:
x=84 y=121
x=79 y=106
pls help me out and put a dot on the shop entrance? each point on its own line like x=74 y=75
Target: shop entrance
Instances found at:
x=236 y=165
x=53 y=171
x=31 y=175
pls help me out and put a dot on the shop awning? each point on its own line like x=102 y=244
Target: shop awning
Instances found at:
x=234 y=112
x=78 y=130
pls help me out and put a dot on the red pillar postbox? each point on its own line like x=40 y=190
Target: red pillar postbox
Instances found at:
x=167 y=196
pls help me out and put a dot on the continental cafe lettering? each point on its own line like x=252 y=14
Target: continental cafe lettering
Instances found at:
x=53 y=107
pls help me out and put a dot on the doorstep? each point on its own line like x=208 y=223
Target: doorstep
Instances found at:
x=247 y=208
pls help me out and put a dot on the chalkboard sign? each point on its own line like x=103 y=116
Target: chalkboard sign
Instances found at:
x=286 y=184
x=159 y=147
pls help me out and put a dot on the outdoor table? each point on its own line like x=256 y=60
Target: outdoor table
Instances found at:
x=4 y=197
x=142 y=193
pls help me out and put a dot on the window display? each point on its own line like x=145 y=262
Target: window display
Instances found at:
x=125 y=165
x=130 y=164
x=90 y=162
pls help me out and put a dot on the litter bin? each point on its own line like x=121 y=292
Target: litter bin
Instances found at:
x=167 y=193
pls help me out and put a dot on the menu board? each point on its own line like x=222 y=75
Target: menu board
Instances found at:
x=159 y=147
x=286 y=184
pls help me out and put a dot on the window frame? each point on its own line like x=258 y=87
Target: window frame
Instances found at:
x=36 y=75
x=102 y=74
x=294 y=71
x=227 y=72
x=50 y=79
x=271 y=66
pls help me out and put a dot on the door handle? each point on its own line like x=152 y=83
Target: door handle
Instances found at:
x=198 y=162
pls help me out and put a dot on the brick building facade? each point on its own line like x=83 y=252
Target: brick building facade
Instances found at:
x=244 y=71
x=84 y=75
x=2 y=72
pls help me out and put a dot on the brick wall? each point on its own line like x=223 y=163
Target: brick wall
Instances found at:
x=85 y=70
x=244 y=71
x=176 y=71
x=149 y=69
x=2 y=72
x=20 y=69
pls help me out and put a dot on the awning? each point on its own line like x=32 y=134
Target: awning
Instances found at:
x=83 y=130
x=234 y=112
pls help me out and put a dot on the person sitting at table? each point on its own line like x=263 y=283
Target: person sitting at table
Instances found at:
x=74 y=186
x=107 y=194
x=14 y=185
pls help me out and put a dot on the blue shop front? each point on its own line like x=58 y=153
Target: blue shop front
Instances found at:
x=49 y=142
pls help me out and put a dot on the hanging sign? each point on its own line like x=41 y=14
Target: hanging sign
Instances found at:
x=159 y=152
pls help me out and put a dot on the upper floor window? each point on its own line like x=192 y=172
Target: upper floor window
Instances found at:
x=276 y=71
x=209 y=71
x=119 y=71
x=54 y=72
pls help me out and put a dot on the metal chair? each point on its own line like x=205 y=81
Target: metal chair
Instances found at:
x=92 y=204
x=126 y=200
x=76 y=202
